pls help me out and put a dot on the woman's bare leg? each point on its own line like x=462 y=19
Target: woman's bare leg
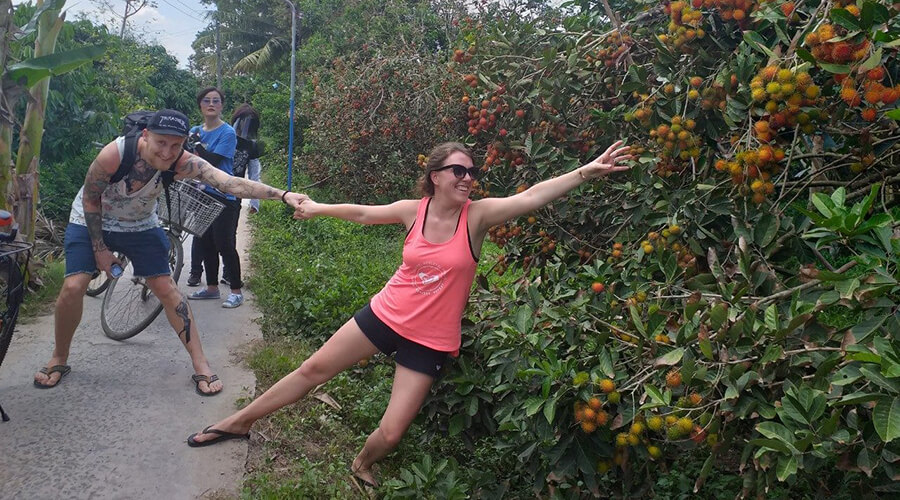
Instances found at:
x=409 y=392
x=346 y=347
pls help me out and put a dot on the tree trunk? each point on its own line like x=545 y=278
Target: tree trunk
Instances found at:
x=7 y=116
x=28 y=158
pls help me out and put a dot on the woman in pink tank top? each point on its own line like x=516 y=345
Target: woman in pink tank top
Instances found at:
x=417 y=315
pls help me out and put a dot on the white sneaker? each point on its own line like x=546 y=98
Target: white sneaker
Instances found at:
x=234 y=300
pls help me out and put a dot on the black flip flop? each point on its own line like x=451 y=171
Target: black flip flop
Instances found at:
x=63 y=370
x=221 y=436
x=203 y=378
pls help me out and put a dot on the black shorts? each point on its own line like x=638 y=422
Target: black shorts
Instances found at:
x=410 y=354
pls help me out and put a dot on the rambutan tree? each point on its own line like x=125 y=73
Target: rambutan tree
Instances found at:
x=736 y=294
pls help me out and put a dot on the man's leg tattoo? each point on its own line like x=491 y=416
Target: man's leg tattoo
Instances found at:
x=183 y=311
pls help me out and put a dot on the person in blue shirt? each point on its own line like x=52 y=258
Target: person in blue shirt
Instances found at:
x=215 y=141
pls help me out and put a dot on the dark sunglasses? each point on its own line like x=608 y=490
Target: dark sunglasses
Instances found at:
x=460 y=171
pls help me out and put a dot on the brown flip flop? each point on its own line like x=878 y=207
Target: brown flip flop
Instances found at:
x=197 y=378
x=63 y=370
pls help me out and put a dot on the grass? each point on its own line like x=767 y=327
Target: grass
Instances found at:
x=39 y=301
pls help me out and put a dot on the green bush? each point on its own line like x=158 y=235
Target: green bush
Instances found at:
x=308 y=279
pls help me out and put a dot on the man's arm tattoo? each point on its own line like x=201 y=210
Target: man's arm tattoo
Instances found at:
x=183 y=311
x=95 y=183
x=238 y=186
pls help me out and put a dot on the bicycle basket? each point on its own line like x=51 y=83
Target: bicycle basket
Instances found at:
x=193 y=211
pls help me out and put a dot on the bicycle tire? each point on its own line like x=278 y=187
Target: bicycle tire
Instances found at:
x=128 y=305
x=13 y=288
x=99 y=283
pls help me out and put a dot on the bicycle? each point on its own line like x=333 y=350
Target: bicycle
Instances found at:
x=128 y=304
x=14 y=257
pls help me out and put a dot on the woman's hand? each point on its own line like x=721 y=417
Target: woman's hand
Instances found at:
x=608 y=162
x=307 y=210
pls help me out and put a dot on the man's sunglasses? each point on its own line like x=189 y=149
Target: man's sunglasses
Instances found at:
x=460 y=171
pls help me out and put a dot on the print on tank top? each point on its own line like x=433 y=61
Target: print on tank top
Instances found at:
x=429 y=278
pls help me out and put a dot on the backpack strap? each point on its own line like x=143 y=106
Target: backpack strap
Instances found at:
x=129 y=156
x=168 y=177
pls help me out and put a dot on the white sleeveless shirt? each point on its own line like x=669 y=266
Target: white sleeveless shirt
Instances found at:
x=123 y=212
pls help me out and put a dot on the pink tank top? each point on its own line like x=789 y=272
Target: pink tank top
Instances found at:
x=425 y=299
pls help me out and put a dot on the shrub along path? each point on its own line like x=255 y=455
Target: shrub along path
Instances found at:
x=116 y=426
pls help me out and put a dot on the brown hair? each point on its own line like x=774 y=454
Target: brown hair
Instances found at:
x=207 y=90
x=436 y=160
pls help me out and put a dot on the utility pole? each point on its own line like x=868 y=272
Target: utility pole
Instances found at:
x=218 y=55
x=293 y=72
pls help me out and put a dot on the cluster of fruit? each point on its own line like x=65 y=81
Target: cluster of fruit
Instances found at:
x=590 y=414
x=678 y=142
x=684 y=26
x=827 y=44
x=614 y=46
x=786 y=97
x=753 y=170
x=485 y=118
x=869 y=90
x=736 y=10
x=463 y=56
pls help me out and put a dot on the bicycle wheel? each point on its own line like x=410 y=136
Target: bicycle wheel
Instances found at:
x=12 y=289
x=99 y=283
x=128 y=305
x=100 y=280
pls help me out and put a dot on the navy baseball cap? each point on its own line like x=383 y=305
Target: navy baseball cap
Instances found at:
x=169 y=122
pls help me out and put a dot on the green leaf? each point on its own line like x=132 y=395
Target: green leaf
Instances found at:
x=29 y=72
x=670 y=358
x=893 y=114
x=717 y=315
x=891 y=385
x=824 y=204
x=886 y=418
x=605 y=363
x=786 y=467
x=861 y=331
x=32 y=24
x=774 y=430
x=772 y=444
x=773 y=353
x=754 y=40
x=636 y=319
x=873 y=61
x=654 y=394
x=457 y=423
x=706 y=348
x=772 y=318
x=765 y=230
x=845 y=19
x=838 y=69
x=873 y=13
x=524 y=319
x=550 y=410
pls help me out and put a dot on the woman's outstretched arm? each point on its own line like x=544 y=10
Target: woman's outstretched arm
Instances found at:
x=399 y=212
x=492 y=211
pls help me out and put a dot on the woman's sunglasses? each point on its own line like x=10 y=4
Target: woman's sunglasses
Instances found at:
x=460 y=171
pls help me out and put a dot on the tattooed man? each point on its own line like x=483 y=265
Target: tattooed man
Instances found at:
x=121 y=216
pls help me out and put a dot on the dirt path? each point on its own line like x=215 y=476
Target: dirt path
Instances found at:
x=116 y=426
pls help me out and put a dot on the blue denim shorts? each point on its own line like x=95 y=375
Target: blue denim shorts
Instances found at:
x=147 y=250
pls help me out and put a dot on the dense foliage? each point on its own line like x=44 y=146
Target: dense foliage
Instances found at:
x=737 y=292
x=735 y=297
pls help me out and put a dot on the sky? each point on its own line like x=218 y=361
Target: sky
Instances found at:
x=172 y=23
